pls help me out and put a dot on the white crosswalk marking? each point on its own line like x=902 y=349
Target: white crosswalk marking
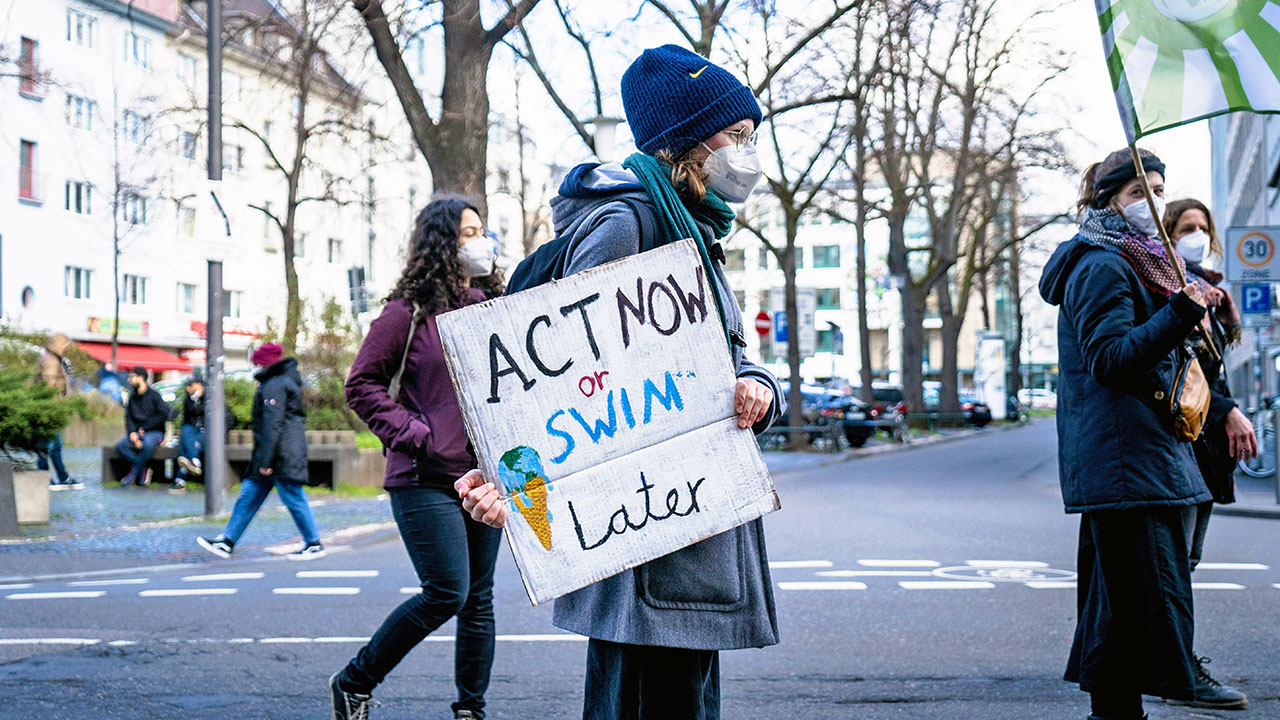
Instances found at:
x=900 y=563
x=875 y=573
x=124 y=581
x=1006 y=563
x=793 y=564
x=945 y=585
x=1232 y=566
x=819 y=585
x=1050 y=584
x=70 y=594
x=222 y=577
x=187 y=592
x=48 y=641
x=410 y=590
x=336 y=573
x=1216 y=586
x=316 y=591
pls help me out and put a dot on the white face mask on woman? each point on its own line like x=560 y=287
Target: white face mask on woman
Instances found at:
x=733 y=171
x=477 y=257
x=1138 y=214
x=1192 y=246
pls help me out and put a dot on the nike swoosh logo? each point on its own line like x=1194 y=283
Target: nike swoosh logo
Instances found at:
x=695 y=75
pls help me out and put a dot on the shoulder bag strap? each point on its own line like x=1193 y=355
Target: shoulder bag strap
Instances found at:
x=394 y=388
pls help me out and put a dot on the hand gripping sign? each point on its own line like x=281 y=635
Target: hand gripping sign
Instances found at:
x=602 y=405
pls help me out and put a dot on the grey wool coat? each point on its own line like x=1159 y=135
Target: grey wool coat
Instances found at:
x=715 y=594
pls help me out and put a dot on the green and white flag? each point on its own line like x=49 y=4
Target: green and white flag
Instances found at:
x=1173 y=62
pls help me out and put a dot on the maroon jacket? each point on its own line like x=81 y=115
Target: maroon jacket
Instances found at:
x=423 y=434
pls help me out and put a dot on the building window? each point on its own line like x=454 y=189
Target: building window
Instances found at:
x=76 y=282
x=267 y=222
x=234 y=299
x=828 y=298
x=137 y=127
x=826 y=256
x=232 y=158
x=335 y=250
x=799 y=253
x=82 y=29
x=187 y=145
x=187 y=220
x=133 y=290
x=735 y=260
x=80 y=111
x=232 y=84
x=28 y=66
x=186 y=298
x=825 y=341
x=299 y=245
x=187 y=70
x=133 y=209
x=137 y=49
x=764 y=258
x=27 y=170
x=79 y=197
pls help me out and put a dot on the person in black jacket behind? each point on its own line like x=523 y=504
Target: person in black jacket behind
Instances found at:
x=145 y=416
x=279 y=455
x=191 y=437
x=1123 y=327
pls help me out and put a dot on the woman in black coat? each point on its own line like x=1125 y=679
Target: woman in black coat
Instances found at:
x=279 y=456
x=1123 y=325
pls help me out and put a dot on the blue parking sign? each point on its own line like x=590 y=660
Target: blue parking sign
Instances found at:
x=780 y=326
x=1255 y=298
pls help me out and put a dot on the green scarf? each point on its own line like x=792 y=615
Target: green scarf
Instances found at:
x=678 y=220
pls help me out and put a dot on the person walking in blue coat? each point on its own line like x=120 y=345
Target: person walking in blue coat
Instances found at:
x=656 y=631
x=1123 y=324
x=279 y=456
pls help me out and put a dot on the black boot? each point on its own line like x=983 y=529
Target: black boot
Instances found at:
x=1211 y=694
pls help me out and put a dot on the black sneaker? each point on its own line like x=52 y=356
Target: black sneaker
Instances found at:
x=72 y=484
x=218 y=546
x=179 y=486
x=311 y=551
x=56 y=485
x=1211 y=694
x=347 y=705
x=465 y=715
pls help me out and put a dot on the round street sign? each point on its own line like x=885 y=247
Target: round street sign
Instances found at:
x=762 y=323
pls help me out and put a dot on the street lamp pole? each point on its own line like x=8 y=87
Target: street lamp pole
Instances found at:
x=215 y=446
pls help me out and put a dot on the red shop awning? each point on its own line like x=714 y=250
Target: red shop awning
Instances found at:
x=127 y=356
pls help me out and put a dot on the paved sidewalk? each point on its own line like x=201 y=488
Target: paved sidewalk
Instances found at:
x=1254 y=498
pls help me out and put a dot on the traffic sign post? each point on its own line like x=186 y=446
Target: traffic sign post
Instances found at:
x=763 y=323
x=1251 y=255
x=1255 y=298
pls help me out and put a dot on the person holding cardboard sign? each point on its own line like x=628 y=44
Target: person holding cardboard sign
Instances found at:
x=656 y=630
x=399 y=385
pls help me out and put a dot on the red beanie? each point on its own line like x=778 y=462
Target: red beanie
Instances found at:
x=267 y=354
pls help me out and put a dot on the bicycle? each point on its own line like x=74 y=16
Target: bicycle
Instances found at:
x=1263 y=465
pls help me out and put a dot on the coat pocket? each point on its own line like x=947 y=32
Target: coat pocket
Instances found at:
x=708 y=575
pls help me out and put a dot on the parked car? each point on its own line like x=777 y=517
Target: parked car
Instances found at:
x=1012 y=408
x=1038 y=398
x=888 y=408
x=853 y=415
x=976 y=412
x=814 y=398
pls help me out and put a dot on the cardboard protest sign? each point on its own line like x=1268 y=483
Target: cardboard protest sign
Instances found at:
x=602 y=404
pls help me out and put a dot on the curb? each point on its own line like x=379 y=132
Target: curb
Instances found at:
x=891 y=447
x=1249 y=511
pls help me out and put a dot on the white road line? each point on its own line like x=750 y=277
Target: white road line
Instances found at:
x=1006 y=563
x=1232 y=566
x=410 y=590
x=828 y=585
x=49 y=641
x=224 y=576
x=315 y=591
x=15 y=586
x=57 y=595
x=284 y=640
x=875 y=573
x=122 y=643
x=900 y=563
x=792 y=564
x=187 y=592
x=123 y=581
x=336 y=573
x=341 y=639
x=1216 y=586
x=1050 y=584
x=555 y=637
x=1276 y=585
x=945 y=585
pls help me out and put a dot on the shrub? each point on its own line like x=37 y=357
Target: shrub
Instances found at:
x=30 y=411
x=239 y=399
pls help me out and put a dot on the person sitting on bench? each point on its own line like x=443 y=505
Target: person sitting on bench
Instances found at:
x=145 y=416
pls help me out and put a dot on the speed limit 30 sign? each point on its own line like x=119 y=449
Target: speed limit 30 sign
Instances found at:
x=1252 y=255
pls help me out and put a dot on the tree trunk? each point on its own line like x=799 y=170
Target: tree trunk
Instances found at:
x=913 y=336
x=1015 y=291
x=860 y=200
x=952 y=322
x=795 y=398
x=459 y=158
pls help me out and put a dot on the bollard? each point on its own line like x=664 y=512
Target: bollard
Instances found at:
x=8 y=501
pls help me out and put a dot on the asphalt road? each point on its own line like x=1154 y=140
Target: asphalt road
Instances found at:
x=928 y=583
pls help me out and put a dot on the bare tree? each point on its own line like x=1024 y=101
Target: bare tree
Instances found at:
x=455 y=140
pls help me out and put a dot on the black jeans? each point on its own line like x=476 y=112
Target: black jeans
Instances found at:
x=1196 y=527
x=642 y=682
x=454 y=557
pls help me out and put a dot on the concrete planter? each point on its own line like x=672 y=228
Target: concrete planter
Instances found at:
x=31 y=495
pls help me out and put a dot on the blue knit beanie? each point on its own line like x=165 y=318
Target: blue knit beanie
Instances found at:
x=675 y=98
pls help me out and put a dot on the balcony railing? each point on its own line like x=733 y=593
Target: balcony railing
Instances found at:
x=29 y=189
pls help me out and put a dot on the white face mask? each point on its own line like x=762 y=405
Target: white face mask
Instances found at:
x=477 y=257
x=1139 y=216
x=733 y=171
x=1192 y=246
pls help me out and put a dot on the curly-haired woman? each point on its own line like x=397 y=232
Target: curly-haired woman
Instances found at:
x=450 y=265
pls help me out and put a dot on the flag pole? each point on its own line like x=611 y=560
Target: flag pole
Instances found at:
x=1164 y=237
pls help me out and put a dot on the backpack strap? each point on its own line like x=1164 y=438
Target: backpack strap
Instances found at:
x=394 y=388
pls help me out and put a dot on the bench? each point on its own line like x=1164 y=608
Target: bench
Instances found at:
x=332 y=458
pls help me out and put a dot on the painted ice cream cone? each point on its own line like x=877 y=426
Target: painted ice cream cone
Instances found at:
x=521 y=473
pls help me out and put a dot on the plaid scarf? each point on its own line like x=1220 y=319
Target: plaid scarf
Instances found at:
x=1106 y=228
